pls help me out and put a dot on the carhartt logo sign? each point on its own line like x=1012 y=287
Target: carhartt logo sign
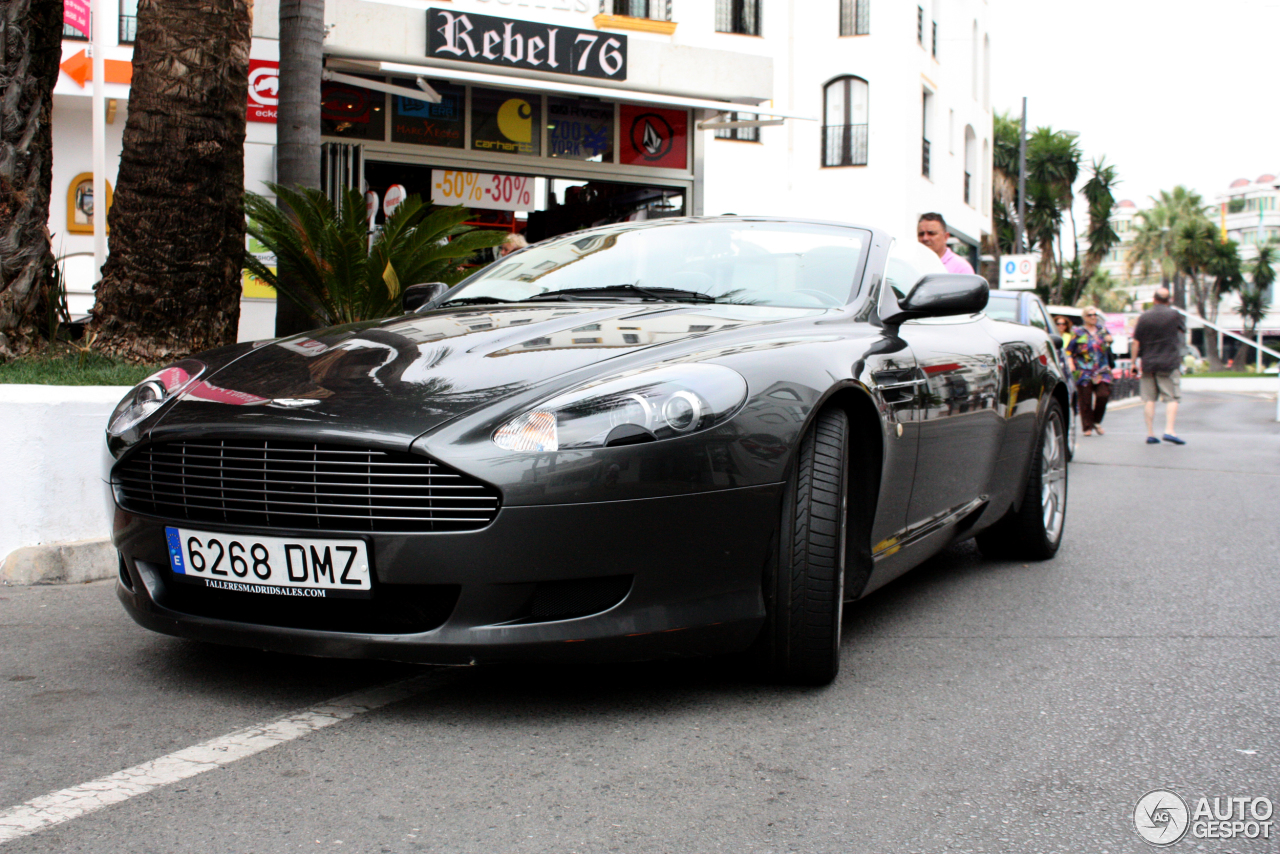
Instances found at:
x=525 y=44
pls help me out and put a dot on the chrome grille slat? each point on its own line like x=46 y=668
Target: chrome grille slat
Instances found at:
x=285 y=499
x=302 y=485
x=135 y=478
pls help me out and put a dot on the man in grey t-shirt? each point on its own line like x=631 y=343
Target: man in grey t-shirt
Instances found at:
x=1157 y=357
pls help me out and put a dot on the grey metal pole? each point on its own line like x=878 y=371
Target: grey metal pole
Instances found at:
x=1022 y=180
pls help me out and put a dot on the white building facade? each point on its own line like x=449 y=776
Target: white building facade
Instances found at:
x=545 y=116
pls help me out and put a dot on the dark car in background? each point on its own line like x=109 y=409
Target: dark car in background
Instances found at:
x=1027 y=308
x=687 y=436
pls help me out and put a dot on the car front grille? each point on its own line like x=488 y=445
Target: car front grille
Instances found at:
x=302 y=485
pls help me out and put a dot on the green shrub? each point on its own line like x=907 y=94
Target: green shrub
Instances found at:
x=330 y=268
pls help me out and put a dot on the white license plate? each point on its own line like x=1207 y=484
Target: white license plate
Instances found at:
x=270 y=565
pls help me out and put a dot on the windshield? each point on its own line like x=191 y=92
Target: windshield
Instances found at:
x=739 y=261
x=1001 y=307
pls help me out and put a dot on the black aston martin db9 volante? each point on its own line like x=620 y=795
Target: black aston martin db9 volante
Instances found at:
x=686 y=436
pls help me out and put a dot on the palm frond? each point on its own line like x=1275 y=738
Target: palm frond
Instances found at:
x=330 y=268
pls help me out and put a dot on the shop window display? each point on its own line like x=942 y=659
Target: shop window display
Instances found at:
x=425 y=123
x=352 y=112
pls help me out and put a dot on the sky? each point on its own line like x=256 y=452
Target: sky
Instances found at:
x=1170 y=92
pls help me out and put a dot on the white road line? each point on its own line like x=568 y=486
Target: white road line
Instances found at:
x=57 y=807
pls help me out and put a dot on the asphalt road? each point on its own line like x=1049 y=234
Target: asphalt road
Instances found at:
x=983 y=706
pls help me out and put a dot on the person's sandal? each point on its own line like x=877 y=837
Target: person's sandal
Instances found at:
x=1152 y=440
x=1174 y=440
x=1097 y=428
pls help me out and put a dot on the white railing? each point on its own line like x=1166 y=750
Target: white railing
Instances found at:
x=1257 y=344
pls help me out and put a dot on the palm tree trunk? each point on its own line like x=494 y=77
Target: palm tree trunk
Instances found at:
x=30 y=48
x=171 y=284
x=298 y=121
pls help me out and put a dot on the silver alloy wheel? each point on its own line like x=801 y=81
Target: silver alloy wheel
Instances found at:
x=1053 y=479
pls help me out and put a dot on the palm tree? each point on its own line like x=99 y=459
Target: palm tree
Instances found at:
x=1224 y=267
x=171 y=284
x=1253 y=308
x=1053 y=164
x=298 y=120
x=1253 y=299
x=1103 y=291
x=1193 y=250
x=1004 y=181
x=32 y=34
x=336 y=276
x=1154 y=246
x=1102 y=238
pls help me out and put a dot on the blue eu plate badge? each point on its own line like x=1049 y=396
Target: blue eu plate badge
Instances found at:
x=175 y=550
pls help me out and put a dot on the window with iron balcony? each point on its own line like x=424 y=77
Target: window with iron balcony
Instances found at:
x=844 y=123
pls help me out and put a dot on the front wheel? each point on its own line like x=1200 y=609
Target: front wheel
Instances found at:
x=806 y=590
x=1034 y=531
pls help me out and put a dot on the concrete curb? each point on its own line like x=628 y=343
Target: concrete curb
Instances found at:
x=73 y=562
x=1243 y=384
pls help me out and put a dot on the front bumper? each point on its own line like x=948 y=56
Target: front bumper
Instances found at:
x=685 y=574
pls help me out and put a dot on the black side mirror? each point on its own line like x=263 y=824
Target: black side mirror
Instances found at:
x=415 y=297
x=942 y=295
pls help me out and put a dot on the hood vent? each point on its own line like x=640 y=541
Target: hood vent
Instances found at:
x=276 y=484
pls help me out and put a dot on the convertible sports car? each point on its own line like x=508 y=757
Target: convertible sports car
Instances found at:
x=687 y=436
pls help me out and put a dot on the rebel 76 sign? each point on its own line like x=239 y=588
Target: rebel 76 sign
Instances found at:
x=525 y=44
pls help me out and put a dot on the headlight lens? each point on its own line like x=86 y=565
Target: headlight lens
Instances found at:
x=152 y=393
x=659 y=403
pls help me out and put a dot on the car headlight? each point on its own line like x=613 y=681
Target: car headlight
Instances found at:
x=152 y=393
x=659 y=403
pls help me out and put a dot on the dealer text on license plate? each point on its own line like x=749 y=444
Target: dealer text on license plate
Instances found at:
x=271 y=565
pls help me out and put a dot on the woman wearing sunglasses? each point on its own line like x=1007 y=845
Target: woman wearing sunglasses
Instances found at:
x=1089 y=347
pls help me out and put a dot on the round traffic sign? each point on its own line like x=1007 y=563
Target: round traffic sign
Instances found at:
x=395 y=195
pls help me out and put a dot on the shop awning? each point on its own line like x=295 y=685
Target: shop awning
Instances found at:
x=360 y=66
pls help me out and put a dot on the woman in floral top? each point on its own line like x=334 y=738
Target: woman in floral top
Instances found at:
x=1088 y=348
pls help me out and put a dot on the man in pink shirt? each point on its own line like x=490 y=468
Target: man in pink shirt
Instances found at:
x=932 y=232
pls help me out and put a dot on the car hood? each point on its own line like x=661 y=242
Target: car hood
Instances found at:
x=391 y=381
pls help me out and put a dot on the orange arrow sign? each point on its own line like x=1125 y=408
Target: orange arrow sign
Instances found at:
x=80 y=69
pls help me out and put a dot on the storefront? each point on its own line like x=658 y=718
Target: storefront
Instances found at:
x=546 y=123
x=542 y=126
x=535 y=162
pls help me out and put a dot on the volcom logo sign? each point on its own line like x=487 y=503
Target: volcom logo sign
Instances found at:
x=652 y=135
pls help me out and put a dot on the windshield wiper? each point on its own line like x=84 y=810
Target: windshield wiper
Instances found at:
x=473 y=301
x=622 y=291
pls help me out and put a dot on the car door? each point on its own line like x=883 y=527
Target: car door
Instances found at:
x=960 y=426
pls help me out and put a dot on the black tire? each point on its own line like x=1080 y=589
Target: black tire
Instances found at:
x=1073 y=435
x=1034 y=530
x=805 y=593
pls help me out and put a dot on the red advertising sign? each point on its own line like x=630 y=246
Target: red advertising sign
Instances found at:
x=75 y=13
x=264 y=90
x=652 y=136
